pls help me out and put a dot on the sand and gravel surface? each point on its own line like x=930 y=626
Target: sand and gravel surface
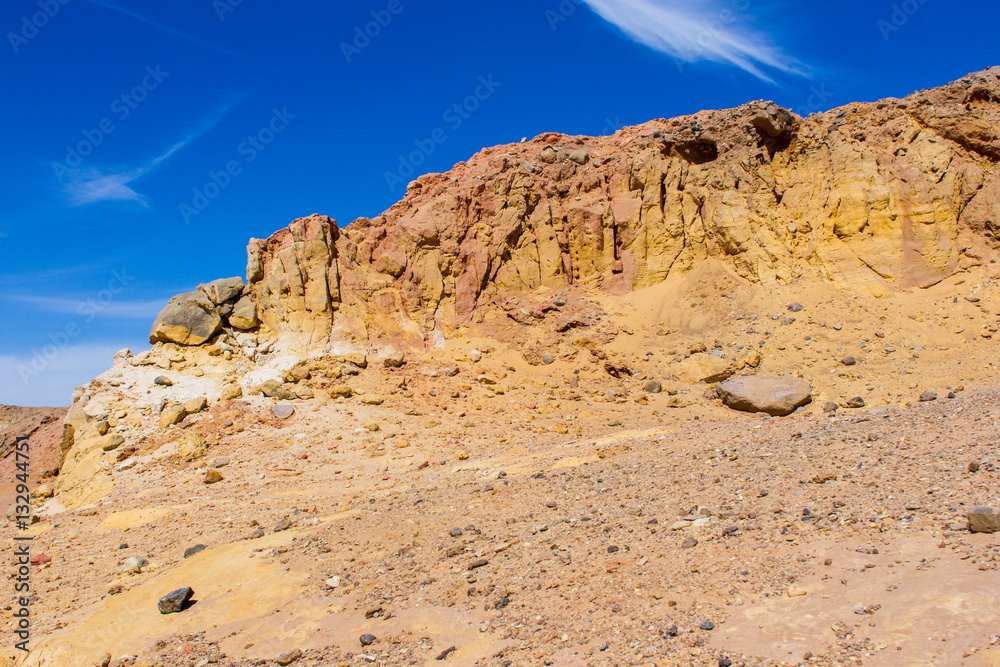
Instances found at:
x=638 y=536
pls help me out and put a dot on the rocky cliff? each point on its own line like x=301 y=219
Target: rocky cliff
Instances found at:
x=873 y=197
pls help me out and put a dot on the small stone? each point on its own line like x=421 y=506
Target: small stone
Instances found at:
x=174 y=601
x=192 y=446
x=974 y=466
x=795 y=591
x=43 y=491
x=231 y=392
x=135 y=564
x=830 y=407
x=707 y=625
x=373 y=399
x=604 y=647
x=548 y=359
x=838 y=327
x=367 y=640
x=984 y=520
x=220 y=462
x=175 y=414
x=288 y=657
x=672 y=631
x=283 y=411
x=478 y=563
x=455 y=532
x=856 y=402
x=340 y=391
x=113 y=443
x=581 y=157
x=653 y=387
x=551 y=504
x=612 y=549
x=445 y=653
x=795 y=307
x=849 y=361
x=196 y=405
x=212 y=476
x=928 y=396
x=475 y=356
x=358 y=359
x=689 y=543
x=196 y=549
x=725 y=662
x=284 y=524
x=394 y=360
x=163 y=381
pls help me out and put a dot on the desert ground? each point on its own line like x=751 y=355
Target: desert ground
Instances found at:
x=467 y=507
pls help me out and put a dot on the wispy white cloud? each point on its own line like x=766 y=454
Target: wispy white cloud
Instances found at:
x=117 y=310
x=691 y=31
x=47 y=377
x=91 y=185
x=160 y=26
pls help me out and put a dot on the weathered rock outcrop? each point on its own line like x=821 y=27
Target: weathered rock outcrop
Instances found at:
x=872 y=197
x=195 y=317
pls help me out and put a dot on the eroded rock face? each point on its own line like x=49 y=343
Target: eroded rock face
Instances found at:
x=870 y=197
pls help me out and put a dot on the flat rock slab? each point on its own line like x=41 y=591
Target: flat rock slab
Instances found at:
x=777 y=396
x=283 y=411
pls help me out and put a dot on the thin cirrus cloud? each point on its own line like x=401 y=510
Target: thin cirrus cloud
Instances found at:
x=116 y=310
x=696 y=31
x=92 y=185
x=159 y=26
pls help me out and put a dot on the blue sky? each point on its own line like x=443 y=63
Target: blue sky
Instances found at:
x=146 y=142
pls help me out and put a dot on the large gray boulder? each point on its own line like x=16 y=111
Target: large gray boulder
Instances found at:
x=776 y=396
x=189 y=319
x=223 y=290
x=244 y=315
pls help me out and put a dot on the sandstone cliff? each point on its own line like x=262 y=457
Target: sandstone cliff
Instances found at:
x=872 y=197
